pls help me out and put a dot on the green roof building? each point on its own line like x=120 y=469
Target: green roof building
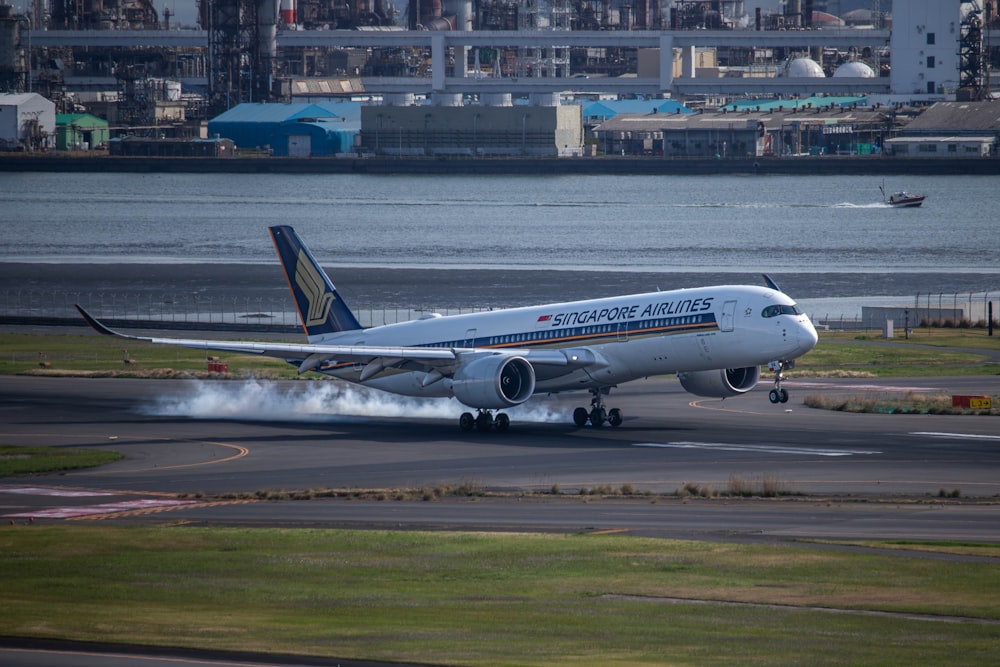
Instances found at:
x=80 y=131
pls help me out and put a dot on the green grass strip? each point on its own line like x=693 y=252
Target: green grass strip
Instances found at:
x=16 y=460
x=496 y=599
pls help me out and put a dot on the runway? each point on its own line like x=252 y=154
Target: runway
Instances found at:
x=204 y=452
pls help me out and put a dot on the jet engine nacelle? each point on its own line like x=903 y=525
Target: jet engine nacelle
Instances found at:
x=722 y=383
x=494 y=382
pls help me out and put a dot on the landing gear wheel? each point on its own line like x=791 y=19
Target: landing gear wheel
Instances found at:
x=501 y=423
x=466 y=422
x=779 y=394
x=597 y=415
x=484 y=421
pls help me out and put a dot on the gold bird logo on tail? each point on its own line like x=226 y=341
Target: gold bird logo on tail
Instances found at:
x=311 y=283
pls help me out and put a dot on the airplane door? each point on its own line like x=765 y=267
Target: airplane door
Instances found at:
x=623 y=332
x=728 y=315
x=470 y=338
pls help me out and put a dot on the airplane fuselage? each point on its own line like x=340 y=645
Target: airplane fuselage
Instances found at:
x=632 y=336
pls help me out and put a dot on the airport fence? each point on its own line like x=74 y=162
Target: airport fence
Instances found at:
x=172 y=311
x=935 y=309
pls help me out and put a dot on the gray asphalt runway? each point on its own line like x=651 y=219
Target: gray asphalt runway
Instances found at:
x=294 y=436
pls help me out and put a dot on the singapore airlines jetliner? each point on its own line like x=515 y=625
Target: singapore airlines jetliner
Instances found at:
x=714 y=338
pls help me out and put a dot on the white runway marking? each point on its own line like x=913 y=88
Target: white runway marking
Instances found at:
x=763 y=449
x=960 y=436
x=859 y=386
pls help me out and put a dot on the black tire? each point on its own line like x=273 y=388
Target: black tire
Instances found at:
x=783 y=396
x=774 y=396
x=466 y=422
x=598 y=417
x=615 y=417
x=501 y=423
x=580 y=416
x=484 y=422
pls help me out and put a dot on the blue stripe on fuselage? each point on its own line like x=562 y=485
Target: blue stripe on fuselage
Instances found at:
x=591 y=334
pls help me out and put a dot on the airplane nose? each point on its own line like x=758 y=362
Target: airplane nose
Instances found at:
x=807 y=336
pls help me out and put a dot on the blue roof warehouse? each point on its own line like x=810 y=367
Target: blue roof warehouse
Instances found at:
x=317 y=129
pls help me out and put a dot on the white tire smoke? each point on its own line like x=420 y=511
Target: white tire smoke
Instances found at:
x=318 y=401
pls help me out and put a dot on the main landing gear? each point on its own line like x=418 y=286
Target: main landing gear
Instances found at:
x=597 y=415
x=484 y=421
x=779 y=394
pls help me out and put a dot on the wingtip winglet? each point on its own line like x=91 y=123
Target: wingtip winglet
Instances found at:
x=95 y=324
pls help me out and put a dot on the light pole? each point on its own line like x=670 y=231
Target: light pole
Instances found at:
x=427 y=121
x=475 y=135
x=524 y=124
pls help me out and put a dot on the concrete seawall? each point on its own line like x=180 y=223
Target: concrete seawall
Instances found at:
x=828 y=165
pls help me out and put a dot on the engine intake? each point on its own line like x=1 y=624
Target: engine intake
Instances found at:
x=721 y=383
x=494 y=382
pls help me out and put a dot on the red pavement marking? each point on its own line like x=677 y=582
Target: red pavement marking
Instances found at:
x=40 y=491
x=104 y=508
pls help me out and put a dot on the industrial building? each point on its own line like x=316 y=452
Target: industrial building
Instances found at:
x=595 y=112
x=947 y=146
x=320 y=129
x=472 y=131
x=949 y=130
x=836 y=126
x=80 y=132
x=27 y=122
x=146 y=147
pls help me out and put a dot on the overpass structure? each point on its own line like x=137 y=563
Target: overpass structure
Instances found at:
x=440 y=43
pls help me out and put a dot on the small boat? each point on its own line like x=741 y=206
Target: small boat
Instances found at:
x=902 y=199
x=905 y=200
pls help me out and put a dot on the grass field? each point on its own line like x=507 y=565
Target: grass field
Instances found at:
x=927 y=353
x=497 y=599
x=92 y=354
x=36 y=460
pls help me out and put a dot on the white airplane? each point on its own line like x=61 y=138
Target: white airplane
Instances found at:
x=714 y=338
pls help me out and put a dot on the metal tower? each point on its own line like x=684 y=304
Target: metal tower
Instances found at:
x=14 y=70
x=973 y=67
x=241 y=52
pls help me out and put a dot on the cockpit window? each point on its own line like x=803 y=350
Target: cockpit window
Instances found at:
x=774 y=311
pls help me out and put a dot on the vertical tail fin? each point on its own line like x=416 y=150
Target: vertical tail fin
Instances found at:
x=320 y=307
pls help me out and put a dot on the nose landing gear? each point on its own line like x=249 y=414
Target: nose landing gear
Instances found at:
x=779 y=394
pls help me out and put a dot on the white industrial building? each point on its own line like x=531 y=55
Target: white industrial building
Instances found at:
x=942 y=147
x=925 y=48
x=27 y=122
x=472 y=130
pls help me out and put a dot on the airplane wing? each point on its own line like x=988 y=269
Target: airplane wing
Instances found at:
x=313 y=355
